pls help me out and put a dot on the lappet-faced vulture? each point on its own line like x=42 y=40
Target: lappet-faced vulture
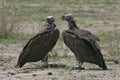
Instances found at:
x=38 y=47
x=82 y=43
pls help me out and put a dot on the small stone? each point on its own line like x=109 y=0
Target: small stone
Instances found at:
x=117 y=62
x=34 y=75
x=11 y=73
x=49 y=73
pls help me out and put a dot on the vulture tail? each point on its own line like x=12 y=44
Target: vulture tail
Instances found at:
x=103 y=66
x=101 y=61
x=19 y=65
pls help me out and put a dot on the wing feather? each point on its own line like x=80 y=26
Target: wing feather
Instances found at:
x=38 y=46
x=88 y=36
x=82 y=46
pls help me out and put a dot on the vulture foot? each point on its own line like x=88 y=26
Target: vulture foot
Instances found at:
x=77 y=68
x=45 y=66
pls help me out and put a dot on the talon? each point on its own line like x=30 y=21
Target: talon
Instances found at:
x=82 y=68
x=44 y=66
x=77 y=68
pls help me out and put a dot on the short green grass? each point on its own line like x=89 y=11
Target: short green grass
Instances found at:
x=109 y=36
x=112 y=40
x=31 y=9
x=38 y=9
x=15 y=38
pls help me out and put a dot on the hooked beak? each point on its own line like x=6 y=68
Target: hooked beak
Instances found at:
x=63 y=17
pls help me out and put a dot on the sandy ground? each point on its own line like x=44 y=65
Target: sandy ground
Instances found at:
x=60 y=70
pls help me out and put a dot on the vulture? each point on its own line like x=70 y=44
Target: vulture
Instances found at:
x=82 y=43
x=38 y=47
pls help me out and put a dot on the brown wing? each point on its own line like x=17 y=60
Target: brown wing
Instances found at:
x=38 y=46
x=81 y=46
x=88 y=34
x=35 y=38
x=89 y=37
x=32 y=42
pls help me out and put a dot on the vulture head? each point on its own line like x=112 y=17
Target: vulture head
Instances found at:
x=67 y=17
x=50 y=20
x=70 y=19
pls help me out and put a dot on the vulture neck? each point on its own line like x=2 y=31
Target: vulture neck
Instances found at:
x=51 y=26
x=72 y=25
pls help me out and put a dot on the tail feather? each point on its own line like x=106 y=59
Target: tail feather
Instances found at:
x=19 y=65
x=103 y=65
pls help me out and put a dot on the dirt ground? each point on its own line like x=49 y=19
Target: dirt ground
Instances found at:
x=60 y=70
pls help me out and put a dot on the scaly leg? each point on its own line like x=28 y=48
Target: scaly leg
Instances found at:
x=79 y=65
x=45 y=62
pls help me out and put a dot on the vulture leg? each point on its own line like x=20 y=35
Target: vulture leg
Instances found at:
x=45 y=62
x=79 y=63
x=79 y=67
